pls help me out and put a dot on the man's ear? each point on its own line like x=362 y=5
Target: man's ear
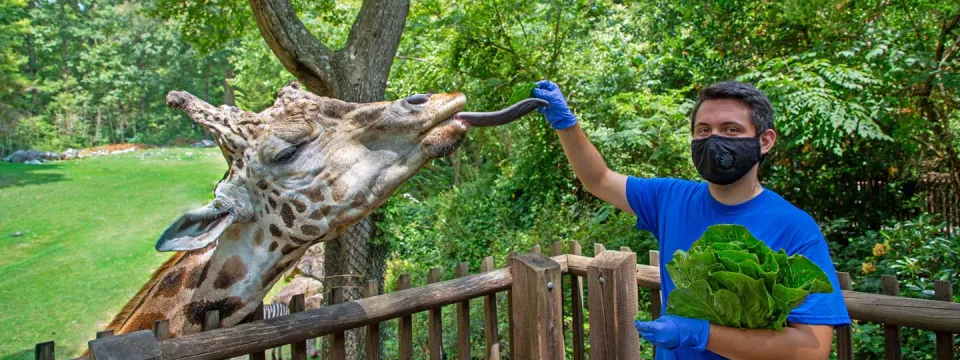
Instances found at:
x=767 y=139
x=196 y=229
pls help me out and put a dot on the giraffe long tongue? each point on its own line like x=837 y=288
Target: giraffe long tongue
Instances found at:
x=505 y=116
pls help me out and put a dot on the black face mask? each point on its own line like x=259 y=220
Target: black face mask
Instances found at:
x=723 y=160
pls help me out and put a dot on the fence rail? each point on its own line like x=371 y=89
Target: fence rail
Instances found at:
x=534 y=286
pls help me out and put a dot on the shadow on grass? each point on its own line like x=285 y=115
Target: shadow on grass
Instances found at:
x=12 y=175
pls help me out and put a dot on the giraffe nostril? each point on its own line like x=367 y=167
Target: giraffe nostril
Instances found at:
x=418 y=99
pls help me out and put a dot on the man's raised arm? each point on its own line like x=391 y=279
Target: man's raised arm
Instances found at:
x=586 y=161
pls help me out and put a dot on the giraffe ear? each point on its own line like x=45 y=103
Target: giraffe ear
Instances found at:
x=196 y=229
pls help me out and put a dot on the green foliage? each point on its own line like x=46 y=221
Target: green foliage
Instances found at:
x=824 y=104
x=918 y=253
x=732 y=279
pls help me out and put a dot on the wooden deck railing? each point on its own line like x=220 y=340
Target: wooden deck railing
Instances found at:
x=533 y=285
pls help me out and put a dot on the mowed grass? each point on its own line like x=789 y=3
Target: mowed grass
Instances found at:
x=88 y=244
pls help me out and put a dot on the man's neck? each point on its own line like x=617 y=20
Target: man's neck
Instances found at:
x=739 y=192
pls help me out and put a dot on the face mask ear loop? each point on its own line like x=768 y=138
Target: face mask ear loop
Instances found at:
x=762 y=155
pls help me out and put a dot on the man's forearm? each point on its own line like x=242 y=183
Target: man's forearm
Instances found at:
x=788 y=343
x=586 y=161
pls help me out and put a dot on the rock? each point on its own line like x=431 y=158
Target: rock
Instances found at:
x=70 y=154
x=23 y=156
x=16 y=234
x=311 y=264
x=204 y=143
x=33 y=162
x=300 y=285
x=188 y=154
x=124 y=151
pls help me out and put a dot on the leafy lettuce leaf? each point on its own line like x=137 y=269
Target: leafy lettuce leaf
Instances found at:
x=731 y=278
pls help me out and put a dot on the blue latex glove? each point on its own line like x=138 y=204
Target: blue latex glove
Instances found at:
x=557 y=112
x=673 y=332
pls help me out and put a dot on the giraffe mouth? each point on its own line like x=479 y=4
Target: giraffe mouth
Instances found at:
x=501 y=117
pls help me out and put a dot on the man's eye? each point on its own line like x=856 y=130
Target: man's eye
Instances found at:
x=286 y=155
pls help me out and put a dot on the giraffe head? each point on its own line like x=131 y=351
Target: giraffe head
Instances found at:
x=306 y=168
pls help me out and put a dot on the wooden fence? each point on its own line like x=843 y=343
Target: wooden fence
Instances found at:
x=533 y=284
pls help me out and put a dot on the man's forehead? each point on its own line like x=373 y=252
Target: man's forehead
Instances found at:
x=722 y=111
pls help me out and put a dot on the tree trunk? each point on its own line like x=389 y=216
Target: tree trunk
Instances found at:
x=228 y=97
x=356 y=73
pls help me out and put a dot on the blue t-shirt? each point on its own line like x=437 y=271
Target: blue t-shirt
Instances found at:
x=678 y=211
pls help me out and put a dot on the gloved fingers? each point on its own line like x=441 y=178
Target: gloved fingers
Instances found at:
x=650 y=326
x=547 y=85
x=540 y=93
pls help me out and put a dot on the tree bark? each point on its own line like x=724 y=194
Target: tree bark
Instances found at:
x=228 y=96
x=356 y=73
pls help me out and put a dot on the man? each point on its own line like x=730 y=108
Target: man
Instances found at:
x=732 y=128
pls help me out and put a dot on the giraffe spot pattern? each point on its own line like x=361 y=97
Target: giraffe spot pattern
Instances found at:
x=315 y=194
x=258 y=237
x=170 y=284
x=196 y=311
x=273 y=203
x=287 y=215
x=287 y=249
x=273 y=246
x=275 y=271
x=319 y=214
x=299 y=241
x=310 y=230
x=275 y=231
x=262 y=184
x=232 y=271
x=239 y=164
x=299 y=205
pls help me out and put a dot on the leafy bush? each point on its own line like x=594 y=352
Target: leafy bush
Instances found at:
x=732 y=279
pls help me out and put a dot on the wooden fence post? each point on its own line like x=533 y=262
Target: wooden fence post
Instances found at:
x=943 y=291
x=338 y=342
x=161 y=329
x=844 y=334
x=538 y=314
x=405 y=324
x=576 y=306
x=891 y=333
x=45 y=351
x=510 y=323
x=655 y=299
x=373 y=330
x=490 y=316
x=613 y=305
x=298 y=350
x=556 y=249
x=463 y=319
x=434 y=322
x=256 y=316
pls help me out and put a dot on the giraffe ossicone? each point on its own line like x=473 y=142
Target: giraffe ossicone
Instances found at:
x=300 y=172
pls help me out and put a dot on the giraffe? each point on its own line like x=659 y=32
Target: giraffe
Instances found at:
x=300 y=172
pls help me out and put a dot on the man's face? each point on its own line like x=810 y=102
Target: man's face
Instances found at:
x=729 y=117
x=726 y=117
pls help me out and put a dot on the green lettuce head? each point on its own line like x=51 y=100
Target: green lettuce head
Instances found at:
x=732 y=279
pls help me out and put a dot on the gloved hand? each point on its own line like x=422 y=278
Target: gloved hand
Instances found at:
x=557 y=112
x=673 y=332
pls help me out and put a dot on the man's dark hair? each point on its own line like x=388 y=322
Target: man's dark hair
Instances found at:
x=761 y=112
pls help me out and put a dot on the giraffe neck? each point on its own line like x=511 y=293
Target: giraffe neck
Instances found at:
x=232 y=275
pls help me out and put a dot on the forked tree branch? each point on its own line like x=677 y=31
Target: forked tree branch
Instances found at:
x=354 y=73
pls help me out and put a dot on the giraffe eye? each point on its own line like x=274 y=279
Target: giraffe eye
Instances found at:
x=286 y=154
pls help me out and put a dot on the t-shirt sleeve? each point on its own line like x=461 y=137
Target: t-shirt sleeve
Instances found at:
x=643 y=195
x=820 y=308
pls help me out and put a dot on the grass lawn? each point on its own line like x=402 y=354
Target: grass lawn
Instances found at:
x=89 y=230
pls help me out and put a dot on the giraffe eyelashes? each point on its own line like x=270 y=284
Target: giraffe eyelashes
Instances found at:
x=285 y=155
